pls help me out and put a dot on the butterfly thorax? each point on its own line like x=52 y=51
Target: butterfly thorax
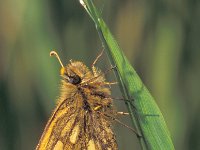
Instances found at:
x=90 y=94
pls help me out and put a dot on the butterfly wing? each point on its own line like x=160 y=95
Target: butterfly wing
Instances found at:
x=61 y=120
x=72 y=128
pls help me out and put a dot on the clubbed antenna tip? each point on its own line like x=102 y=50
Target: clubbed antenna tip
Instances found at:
x=54 y=53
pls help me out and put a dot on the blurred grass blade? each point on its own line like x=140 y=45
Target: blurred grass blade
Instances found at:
x=146 y=116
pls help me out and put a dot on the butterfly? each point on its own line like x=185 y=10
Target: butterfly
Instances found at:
x=82 y=117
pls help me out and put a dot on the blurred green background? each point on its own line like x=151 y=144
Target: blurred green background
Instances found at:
x=161 y=38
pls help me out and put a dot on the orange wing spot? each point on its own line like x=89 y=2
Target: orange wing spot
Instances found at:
x=74 y=135
x=58 y=146
x=91 y=145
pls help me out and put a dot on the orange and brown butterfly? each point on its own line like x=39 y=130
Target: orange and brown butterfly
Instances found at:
x=82 y=118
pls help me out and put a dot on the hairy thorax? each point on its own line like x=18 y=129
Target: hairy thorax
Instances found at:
x=91 y=93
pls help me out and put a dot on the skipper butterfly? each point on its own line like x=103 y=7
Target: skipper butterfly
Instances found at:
x=82 y=117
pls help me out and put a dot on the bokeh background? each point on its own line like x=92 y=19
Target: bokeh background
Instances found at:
x=161 y=38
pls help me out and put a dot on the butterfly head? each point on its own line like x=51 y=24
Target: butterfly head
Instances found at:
x=70 y=73
x=70 y=76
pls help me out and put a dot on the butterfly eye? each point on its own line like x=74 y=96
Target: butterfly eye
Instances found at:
x=74 y=79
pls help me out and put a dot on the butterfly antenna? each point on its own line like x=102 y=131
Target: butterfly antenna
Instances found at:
x=53 y=53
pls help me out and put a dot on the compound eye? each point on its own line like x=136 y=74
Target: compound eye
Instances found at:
x=75 y=79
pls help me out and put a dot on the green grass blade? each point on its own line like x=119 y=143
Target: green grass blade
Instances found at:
x=146 y=116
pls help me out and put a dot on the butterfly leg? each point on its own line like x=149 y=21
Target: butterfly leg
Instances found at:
x=126 y=101
x=95 y=61
x=115 y=119
x=94 y=70
x=138 y=135
x=110 y=83
x=122 y=113
x=97 y=76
